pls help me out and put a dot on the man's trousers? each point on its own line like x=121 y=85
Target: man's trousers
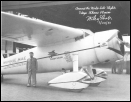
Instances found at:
x=32 y=75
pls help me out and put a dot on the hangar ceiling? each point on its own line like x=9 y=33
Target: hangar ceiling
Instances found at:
x=65 y=13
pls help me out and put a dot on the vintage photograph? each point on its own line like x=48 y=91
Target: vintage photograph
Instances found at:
x=65 y=50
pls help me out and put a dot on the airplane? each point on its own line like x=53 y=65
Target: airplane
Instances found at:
x=57 y=47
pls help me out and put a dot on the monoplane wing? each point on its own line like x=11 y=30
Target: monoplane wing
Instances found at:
x=35 y=32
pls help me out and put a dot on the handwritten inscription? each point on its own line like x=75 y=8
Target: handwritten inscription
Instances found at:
x=102 y=14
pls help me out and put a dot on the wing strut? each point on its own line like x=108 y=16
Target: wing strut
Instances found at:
x=75 y=62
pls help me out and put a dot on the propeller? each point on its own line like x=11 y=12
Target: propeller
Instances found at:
x=113 y=49
x=114 y=35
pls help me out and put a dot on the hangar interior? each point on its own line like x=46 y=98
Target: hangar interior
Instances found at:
x=72 y=14
x=67 y=13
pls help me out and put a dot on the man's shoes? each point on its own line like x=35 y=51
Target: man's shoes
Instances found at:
x=28 y=85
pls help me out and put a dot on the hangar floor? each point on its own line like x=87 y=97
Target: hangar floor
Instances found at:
x=115 y=88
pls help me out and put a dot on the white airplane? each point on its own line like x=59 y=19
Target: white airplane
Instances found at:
x=60 y=47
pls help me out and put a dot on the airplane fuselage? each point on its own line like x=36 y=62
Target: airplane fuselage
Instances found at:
x=55 y=57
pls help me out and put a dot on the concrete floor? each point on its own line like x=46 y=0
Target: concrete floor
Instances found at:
x=115 y=88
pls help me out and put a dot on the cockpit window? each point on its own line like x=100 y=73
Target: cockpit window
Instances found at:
x=86 y=34
x=79 y=37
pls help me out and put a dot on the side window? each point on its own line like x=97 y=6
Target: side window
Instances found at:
x=11 y=54
x=86 y=34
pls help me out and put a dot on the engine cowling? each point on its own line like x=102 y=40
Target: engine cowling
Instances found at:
x=113 y=43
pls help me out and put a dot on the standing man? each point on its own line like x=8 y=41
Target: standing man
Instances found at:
x=127 y=58
x=126 y=44
x=114 y=67
x=32 y=67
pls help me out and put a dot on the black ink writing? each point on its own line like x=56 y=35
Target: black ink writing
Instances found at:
x=100 y=14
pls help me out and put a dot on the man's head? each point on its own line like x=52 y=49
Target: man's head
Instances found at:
x=31 y=54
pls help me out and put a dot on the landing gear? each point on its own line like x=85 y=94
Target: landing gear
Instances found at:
x=2 y=78
x=76 y=90
x=73 y=81
x=97 y=75
x=94 y=84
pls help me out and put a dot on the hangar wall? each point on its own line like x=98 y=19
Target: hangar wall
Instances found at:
x=64 y=13
x=7 y=46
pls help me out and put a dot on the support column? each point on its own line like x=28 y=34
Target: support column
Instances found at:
x=75 y=62
x=5 y=46
x=14 y=47
x=2 y=78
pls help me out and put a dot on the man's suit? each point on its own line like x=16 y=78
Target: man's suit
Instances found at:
x=32 y=67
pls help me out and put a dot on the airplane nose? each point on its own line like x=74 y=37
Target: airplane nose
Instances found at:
x=121 y=45
x=114 y=50
x=116 y=46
